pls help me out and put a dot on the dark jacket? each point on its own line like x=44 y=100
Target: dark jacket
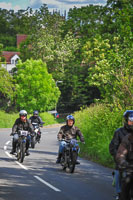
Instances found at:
x=19 y=125
x=119 y=134
x=70 y=132
x=37 y=120
x=125 y=150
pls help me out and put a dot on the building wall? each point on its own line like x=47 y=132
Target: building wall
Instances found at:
x=8 y=67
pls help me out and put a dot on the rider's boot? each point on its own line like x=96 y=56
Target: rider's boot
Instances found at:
x=13 y=151
x=77 y=162
x=27 y=149
x=27 y=152
x=58 y=158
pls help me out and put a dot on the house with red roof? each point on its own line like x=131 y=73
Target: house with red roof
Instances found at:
x=12 y=57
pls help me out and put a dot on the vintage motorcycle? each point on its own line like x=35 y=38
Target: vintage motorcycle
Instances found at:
x=21 y=145
x=69 y=155
x=37 y=134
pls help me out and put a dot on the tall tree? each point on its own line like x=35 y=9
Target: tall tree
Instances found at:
x=111 y=69
x=35 y=87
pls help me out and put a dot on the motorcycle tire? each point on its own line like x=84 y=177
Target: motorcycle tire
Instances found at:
x=22 y=152
x=33 y=143
x=73 y=162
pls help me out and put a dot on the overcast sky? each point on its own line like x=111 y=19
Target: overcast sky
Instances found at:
x=52 y=4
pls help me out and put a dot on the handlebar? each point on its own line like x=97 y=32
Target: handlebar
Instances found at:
x=126 y=168
x=68 y=141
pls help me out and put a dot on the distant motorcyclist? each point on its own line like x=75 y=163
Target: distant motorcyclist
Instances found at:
x=37 y=119
x=68 y=131
x=22 y=123
x=119 y=134
x=124 y=158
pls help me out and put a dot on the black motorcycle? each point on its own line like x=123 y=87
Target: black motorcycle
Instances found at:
x=127 y=181
x=21 y=145
x=69 y=155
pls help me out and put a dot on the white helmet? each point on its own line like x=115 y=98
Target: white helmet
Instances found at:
x=23 y=113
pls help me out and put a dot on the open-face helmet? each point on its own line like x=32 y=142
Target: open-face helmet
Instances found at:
x=70 y=117
x=23 y=113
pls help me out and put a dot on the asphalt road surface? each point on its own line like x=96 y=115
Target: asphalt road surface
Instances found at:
x=40 y=178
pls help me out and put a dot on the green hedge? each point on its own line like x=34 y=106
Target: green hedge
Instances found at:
x=98 y=124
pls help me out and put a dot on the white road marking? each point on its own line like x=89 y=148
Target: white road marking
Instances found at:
x=8 y=154
x=21 y=165
x=48 y=184
x=5 y=148
x=8 y=142
x=37 y=177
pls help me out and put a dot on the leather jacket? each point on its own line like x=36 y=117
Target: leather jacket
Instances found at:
x=19 y=125
x=119 y=134
x=125 y=150
x=70 y=132
x=37 y=120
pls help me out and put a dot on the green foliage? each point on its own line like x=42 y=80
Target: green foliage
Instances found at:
x=11 y=49
x=7 y=120
x=6 y=123
x=111 y=69
x=35 y=88
x=6 y=84
x=98 y=123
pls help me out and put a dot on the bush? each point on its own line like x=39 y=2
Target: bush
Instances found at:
x=98 y=124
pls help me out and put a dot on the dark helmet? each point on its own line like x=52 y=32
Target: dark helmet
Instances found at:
x=70 y=117
x=23 y=113
x=36 y=113
x=128 y=116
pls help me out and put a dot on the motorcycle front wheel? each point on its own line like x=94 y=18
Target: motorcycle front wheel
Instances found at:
x=21 y=152
x=72 y=164
x=33 y=142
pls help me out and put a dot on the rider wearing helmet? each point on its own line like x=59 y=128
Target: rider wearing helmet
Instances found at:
x=37 y=119
x=119 y=134
x=22 y=123
x=68 y=131
x=124 y=157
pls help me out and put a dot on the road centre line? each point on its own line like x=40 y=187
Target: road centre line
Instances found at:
x=48 y=184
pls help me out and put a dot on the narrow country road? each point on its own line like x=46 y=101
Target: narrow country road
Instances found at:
x=40 y=178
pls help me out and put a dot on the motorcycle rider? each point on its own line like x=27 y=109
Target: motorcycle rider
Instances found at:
x=68 y=131
x=37 y=119
x=124 y=157
x=21 y=123
x=119 y=134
